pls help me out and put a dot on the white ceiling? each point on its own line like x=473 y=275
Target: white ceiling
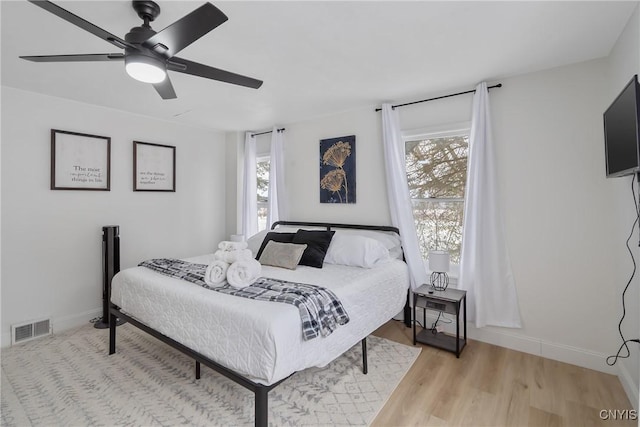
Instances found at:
x=316 y=58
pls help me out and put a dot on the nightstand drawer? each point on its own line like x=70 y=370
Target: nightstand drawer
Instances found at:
x=449 y=307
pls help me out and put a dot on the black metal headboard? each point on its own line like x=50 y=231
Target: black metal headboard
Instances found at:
x=329 y=226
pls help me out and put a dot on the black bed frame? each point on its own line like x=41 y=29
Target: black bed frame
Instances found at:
x=260 y=391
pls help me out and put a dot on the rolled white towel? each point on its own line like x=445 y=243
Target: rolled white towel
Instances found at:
x=216 y=273
x=243 y=273
x=226 y=245
x=233 y=256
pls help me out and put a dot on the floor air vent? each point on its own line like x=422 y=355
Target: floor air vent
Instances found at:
x=31 y=330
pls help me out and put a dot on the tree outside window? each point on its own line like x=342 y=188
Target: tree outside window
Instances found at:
x=262 y=176
x=437 y=173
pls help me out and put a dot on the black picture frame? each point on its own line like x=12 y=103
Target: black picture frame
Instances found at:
x=154 y=167
x=80 y=161
x=338 y=170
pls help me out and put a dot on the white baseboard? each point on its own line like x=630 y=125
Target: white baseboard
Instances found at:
x=69 y=322
x=59 y=324
x=629 y=385
x=6 y=338
x=531 y=345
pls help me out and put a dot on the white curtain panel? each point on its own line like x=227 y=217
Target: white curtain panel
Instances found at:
x=485 y=268
x=249 y=188
x=277 y=201
x=398 y=193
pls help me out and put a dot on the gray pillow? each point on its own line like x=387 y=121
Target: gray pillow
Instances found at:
x=285 y=255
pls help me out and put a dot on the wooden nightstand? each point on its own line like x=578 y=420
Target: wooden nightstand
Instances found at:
x=448 y=301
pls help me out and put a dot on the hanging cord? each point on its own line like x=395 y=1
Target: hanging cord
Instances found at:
x=441 y=318
x=611 y=360
x=416 y=321
x=434 y=325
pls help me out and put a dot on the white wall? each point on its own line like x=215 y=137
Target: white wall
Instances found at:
x=233 y=198
x=550 y=155
x=51 y=240
x=549 y=141
x=549 y=132
x=302 y=154
x=302 y=173
x=624 y=62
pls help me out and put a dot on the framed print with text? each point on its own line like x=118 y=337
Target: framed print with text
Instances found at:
x=80 y=161
x=154 y=167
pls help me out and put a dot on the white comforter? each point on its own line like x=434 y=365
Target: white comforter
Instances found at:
x=258 y=339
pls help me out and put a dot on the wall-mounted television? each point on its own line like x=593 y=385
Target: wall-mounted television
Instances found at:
x=622 y=132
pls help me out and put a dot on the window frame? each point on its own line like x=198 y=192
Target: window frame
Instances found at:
x=262 y=205
x=434 y=132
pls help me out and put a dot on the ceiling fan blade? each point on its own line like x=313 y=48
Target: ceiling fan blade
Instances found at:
x=195 y=69
x=76 y=58
x=165 y=89
x=186 y=30
x=84 y=24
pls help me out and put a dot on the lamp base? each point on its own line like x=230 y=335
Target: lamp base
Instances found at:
x=439 y=281
x=105 y=325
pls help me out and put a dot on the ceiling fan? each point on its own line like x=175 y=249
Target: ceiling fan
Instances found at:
x=148 y=54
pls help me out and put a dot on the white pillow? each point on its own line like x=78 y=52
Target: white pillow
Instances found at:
x=254 y=242
x=389 y=240
x=356 y=251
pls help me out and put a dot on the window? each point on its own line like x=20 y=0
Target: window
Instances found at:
x=437 y=173
x=262 y=176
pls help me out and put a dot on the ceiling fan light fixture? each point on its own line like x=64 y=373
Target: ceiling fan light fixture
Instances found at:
x=145 y=68
x=147 y=53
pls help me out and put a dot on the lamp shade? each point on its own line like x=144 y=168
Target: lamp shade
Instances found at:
x=439 y=261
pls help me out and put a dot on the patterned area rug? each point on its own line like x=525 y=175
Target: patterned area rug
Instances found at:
x=68 y=380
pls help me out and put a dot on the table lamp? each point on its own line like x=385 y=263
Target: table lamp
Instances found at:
x=439 y=265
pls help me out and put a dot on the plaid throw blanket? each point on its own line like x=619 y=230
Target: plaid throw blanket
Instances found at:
x=320 y=310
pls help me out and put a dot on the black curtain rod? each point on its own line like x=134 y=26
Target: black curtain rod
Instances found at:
x=440 y=97
x=264 y=133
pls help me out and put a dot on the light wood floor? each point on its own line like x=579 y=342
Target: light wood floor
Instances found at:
x=495 y=386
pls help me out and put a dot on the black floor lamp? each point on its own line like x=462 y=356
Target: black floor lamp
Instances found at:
x=110 y=266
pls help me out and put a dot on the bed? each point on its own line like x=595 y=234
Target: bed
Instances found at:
x=258 y=344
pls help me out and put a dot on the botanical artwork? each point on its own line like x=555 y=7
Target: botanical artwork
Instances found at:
x=338 y=170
